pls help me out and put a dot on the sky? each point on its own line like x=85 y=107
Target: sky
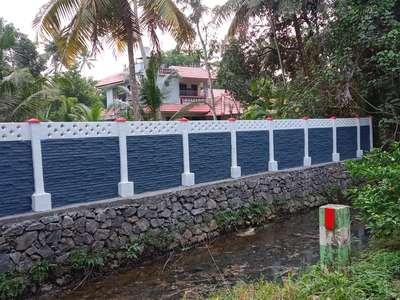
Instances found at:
x=22 y=12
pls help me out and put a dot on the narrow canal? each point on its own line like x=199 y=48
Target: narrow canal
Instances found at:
x=271 y=252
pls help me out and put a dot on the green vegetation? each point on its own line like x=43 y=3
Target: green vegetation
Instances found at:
x=81 y=260
x=230 y=217
x=40 y=271
x=150 y=94
x=377 y=190
x=11 y=286
x=371 y=277
x=177 y=57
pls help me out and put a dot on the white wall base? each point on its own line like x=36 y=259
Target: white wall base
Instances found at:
x=307 y=161
x=273 y=165
x=125 y=189
x=41 y=202
x=187 y=179
x=360 y=153
x=236 y=172
x=336 y=157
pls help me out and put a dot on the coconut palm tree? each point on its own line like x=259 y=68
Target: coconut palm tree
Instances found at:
x=113 y=22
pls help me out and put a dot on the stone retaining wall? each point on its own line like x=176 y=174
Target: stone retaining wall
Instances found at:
x=188 y=214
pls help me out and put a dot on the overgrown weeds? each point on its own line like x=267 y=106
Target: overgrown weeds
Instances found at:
x=229 y=218
x=372 y=277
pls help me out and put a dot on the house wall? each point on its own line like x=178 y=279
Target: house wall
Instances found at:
x=60 y=164
x=170 y=90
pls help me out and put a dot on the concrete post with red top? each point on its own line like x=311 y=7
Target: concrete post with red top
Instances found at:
x=236 y=171
x=272 y=163
x=307 y=158
x=335 y=154
x=125 y=187
x=187 y=176
x=41 y=201
x=335 y=235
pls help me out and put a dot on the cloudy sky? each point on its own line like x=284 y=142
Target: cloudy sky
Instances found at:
x=22 y=12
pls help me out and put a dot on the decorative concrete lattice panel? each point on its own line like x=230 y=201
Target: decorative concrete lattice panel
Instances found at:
x=320 y=123
x=252 y=125
x=208 y=126
x=78 y=130
x=14 y=132
x=153 y=128
x=346 y=122
x=288 y=124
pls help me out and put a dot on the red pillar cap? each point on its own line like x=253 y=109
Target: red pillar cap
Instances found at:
x=183 y=120
x=333 y=117
x=306 y=117
x=33 y=121
x=120 y=120
x=356 y=116
x=269 y=118
x=231 y=119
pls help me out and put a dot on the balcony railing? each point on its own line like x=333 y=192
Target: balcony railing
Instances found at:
x=192 y=99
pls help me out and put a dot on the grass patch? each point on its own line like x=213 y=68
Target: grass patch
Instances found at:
x=374 y=276
x=12 y=286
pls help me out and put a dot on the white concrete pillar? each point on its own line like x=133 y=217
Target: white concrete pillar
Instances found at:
x=110 y=97
x=187 y=176
x=335 y=155
x=272 y=164
x=307 y=158
x=41 y=201
x=359 y=151
x=125 y=187
x=236 y=171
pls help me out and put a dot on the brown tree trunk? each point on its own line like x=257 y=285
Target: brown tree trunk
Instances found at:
x=210 y=83
x=273 y=27
x=134 y=95
x=300 y=45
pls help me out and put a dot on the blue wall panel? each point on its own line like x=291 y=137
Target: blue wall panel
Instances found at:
x=364 y=135
x=16 y=177
x=210 y=156
x=289 y=148
x=252 y=151
x=320 y=141
x=155 y=162
x=347 y=142
x=81 y=170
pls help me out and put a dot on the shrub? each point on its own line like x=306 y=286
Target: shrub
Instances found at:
x=133 y=250
x=12 y=286
x=84 y=261
x=377 y=190
x=39 y=272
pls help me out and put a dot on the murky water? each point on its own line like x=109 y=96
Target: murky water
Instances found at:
x=274 y=250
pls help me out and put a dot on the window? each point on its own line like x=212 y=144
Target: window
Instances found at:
x=187 y=90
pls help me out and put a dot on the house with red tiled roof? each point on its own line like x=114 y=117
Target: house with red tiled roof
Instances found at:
x=180 y=86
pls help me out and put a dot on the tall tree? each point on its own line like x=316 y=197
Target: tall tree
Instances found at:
x=84 y=22
x=150 y=94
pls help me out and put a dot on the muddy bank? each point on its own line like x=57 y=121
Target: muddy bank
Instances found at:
x=273 y=251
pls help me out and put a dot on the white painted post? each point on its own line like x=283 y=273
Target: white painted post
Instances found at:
x=371 y=134
x=41 y=201
x=307 y=158
x=125 y=187
x=110 y=97
x=335 y=155
x=359 y=151
x=272 y=164
x=187 y=176
x=236 y=171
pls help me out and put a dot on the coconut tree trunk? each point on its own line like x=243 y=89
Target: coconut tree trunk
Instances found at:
x=139 y=37
x=210 y=83
x=273 y=27
x=134 y=95
x=300 y=45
